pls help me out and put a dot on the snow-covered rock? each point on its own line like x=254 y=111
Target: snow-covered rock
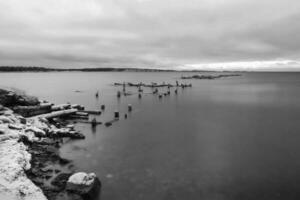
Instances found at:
x=5 y=119
x=15 y=126
x=82 y=178
x=15 y=132
x=14 y=160
x=84 y=184
x=40 y=123
x=38 y=132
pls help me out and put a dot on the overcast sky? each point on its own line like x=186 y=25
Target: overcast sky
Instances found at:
x=177 y=34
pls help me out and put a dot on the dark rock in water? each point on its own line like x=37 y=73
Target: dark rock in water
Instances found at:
x=107 y=124
x=102 y=107
x=64 y=195
x=64 y=161
x=47 y=141
x=75 y=135
x=68 y=133
x=60 y=180
x=94 y=122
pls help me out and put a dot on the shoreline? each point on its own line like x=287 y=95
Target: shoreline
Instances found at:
x=30 y=164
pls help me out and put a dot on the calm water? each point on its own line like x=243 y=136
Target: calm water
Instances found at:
x=232 y=138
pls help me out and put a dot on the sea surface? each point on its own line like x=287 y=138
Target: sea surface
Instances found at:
x=223 y=139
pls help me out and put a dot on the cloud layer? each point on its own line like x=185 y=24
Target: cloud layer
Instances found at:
x=202 y=34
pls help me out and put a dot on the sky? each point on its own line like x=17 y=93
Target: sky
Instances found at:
x=258 y=35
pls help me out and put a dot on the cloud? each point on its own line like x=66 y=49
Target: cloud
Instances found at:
x=150 y=33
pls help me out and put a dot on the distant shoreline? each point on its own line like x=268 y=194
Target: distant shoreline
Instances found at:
x=107 y=69
x=112 y=69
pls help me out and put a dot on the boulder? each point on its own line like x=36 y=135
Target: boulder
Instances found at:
x=87 y=185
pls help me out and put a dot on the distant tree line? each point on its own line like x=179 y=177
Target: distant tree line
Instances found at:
x=45 y=69
x=24 y=69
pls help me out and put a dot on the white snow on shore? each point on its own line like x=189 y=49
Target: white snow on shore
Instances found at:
x=14 y=161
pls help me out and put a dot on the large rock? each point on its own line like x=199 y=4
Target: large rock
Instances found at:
x=28 y=111
x=14 y=98
x=86 y=185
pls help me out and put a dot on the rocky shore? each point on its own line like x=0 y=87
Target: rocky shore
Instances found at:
x=30 y=165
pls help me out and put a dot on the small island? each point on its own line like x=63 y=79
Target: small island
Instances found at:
x=208 y=76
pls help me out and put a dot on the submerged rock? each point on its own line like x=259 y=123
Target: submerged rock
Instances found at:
x=107 y=124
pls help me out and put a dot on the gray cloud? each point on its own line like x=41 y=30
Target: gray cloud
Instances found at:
x=151 y=33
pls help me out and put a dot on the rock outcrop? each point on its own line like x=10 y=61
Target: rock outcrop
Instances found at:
x=10 y=98
x=29 y=147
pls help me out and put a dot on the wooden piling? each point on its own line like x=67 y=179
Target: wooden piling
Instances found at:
x=129 y=107
x=117 y=114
